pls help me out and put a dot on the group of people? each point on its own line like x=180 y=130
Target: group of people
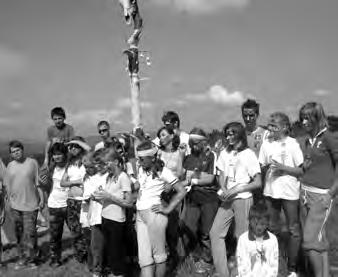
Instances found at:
x=178 y=195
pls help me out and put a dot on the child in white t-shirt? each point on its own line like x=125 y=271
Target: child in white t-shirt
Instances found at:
x=282 y=158
x=257 y=249
x=239 y=175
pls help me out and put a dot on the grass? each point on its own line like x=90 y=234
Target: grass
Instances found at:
x=72 y=268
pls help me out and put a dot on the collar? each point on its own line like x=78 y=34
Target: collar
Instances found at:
x=252 y=237
x=312 y=141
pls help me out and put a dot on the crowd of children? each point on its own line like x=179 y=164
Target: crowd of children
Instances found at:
x=177 y=196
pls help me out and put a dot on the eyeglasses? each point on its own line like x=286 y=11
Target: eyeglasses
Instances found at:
x=101 y=131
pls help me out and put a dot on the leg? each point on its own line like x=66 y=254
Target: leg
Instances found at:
x=30 y=235
x=208 y=213
x=96 y=248
x=218 y=232
x=241 y=209
x=18 y=229
x=291 y=210
x=274 y=207
x=56 y=222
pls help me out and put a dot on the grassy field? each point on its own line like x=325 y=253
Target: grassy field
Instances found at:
x=72 y=268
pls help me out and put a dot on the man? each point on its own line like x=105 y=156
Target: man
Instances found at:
x=103 y=129
x=202 y=200
x=25 y=199
x=172 y=120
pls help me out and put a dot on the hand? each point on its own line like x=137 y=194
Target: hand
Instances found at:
x=277 y=167
x=160 y=209
x=101 y=195
x=229 y=194
x=41 y=204
x=167 y=187
x=183 y=148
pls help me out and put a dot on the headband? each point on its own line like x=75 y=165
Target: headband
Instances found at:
x=196 y=137
x=147 y=152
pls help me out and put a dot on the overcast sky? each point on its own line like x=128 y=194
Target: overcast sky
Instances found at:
x=206 y=59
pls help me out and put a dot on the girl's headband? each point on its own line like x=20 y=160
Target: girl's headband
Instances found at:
x=147 y=152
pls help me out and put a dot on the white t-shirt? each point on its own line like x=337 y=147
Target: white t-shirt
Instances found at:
x=289 y=153
x=150 y=189
x=239 y=168
x=75 y=173
x=184 y=139
x=99 y=145
x=91 y=210
x=257 y=258
x=59 y=195
x=116 y=188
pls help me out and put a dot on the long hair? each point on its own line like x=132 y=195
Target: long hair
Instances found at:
x=175 y=141
x=240 y=131
x=72 y=160
x=316 y=111
x=58 y=148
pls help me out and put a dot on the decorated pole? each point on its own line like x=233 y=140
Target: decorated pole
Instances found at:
x=131 y=13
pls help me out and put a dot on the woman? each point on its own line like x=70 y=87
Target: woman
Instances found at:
x=239 y=175
x=73 y=179
x=152 y=218
x=57 y=202
x=317 y=184
x=115 y=198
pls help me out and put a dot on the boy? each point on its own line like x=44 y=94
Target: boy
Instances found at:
x=59 y=132
x=25 y=199
x=282 y=156
x=257 y=249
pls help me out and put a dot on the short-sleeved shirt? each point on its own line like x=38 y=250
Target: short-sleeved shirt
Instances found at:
x=75 y=173
x=239 y=168
x=55 y=134
x=289 y=153
x=203 y=163
x=117 y=188
x=59 y=195
x=321 y=154
x=256 y=139
x=22 y=185
x=151 y=187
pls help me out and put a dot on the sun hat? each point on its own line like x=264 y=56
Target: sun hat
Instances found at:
x=80 y=143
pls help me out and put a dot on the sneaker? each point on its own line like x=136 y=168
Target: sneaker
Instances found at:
x=292 y=274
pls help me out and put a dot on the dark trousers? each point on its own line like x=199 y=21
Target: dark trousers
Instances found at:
x=114 y=246
x=74 y=225
x=96 y=248
x=197 y=222
x=25 y=232
x=291 y=211
x=57 y=218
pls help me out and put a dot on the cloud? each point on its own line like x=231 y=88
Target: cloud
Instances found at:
x=202 y=6
x=11 y=62
x=91 y=117
x=219 y=95
x=124 y=103
x=322 y=92
x=15 y=105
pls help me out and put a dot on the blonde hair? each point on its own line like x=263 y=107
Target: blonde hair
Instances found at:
x=316 y=111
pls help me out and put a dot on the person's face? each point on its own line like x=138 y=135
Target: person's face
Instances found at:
x=58 y=157
x=58 y=120
x=113 y=166
x=276 y=129
x=146 y=162
x=232 y=136
x=249 y=117
x=74 y=149
x=16 y=153
x=104 y=131
x=197 y=146
x=90 y=168
x=308 y=121
x=259 y=226
x=170 y=125
x=165 y=137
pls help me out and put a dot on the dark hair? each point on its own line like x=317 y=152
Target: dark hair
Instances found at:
x=15 y=144
x=240 y=130
x=250 y=104
x=172 y=117
x=284 y=120
x=317 y=112
x=58 y=111
x=72 y=159
x=58 y=148
x=259 y=211
x=175 y=141
x=103 y=122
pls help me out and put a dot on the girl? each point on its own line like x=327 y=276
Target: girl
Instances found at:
x=57 y=202
x=239 y=175
x=73 y=179
x=152 y=218
x=317 y=184
x=115 y=197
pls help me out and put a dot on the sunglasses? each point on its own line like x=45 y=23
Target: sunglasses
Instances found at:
x=101 y=131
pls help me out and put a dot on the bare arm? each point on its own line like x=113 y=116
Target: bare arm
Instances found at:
x=66 y=183
x=125 y=202
x=178 y=197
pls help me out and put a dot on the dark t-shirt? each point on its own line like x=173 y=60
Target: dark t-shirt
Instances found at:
x=55 y=134
x=203 y=163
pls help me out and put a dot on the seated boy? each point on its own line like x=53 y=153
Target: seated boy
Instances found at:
x=257 y=249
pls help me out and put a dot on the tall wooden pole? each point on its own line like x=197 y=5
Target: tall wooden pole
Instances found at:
x=135 y=100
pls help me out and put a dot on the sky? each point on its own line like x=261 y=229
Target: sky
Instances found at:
x=207 y=57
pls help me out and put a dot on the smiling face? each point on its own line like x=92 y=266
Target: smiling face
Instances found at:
x=276 y=129
x=232 y=136
x=308 y=121
x=104 y=132
x=58 y=158
x=146 y=162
